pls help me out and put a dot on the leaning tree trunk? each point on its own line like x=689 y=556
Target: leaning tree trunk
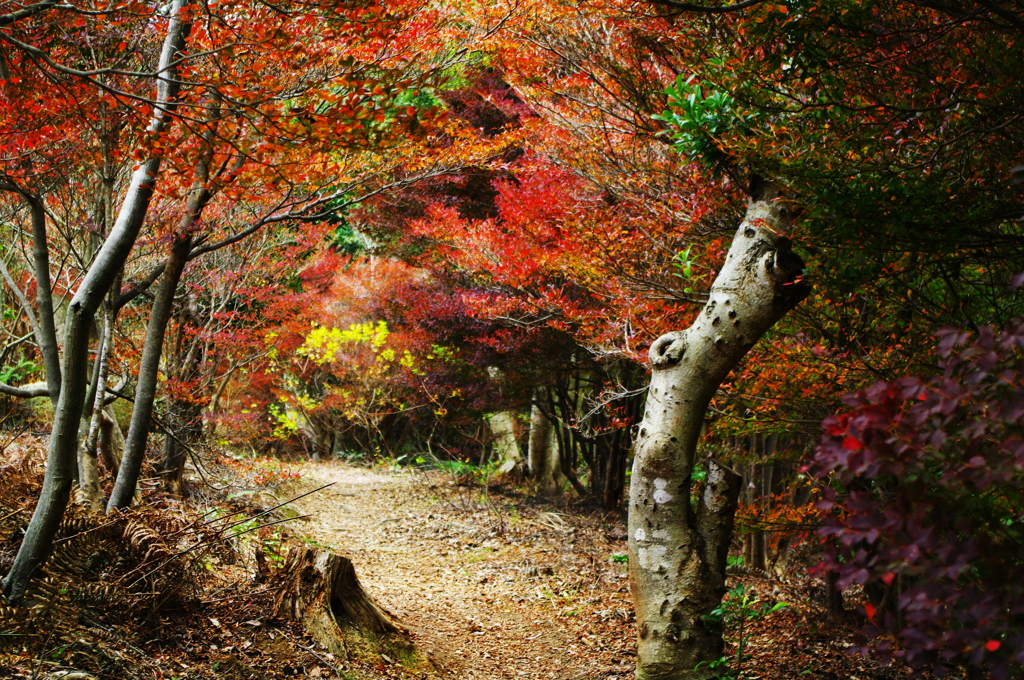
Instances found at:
x=145 y=394
x=159 y=316
x=678 y=548
x=320 y=590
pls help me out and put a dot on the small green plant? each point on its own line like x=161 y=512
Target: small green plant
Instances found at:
x=739 y=607
x=698 y=117
x=351 y=456
x=18 y=371
x=273 y=546
x=620 y=558
x=411 y=459
x=456 y=467
x=462 y=469
x=684 y=265
x=721 y=668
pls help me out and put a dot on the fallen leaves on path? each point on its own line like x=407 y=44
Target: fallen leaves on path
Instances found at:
x=491 y=586
x=492 y=582
x=497 y=584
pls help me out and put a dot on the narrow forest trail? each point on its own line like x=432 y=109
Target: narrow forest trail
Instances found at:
x=490 y=586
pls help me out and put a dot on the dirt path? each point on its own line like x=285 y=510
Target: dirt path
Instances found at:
x=491 y=585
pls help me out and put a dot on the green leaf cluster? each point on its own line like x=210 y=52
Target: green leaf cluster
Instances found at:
x=698 y=117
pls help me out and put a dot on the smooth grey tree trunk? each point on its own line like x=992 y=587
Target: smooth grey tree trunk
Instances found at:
x=679 y=544
x=47 y=333
x=145 y=393
x=61 y=459
x=506 y=448
x=42 y=319
x=545 y=464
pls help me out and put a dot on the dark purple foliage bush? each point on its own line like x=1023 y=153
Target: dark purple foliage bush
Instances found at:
x=926 y=488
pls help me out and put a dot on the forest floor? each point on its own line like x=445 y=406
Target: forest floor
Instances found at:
x=496 y=584
x=491 y=582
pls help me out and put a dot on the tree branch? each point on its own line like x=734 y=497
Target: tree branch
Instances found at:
x=20 y=294
x=139 y=287
x=36 y=389
x=704 y=9
x=1014 y=19
x=31 y=10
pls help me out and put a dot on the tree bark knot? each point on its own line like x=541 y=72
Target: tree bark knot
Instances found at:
x=668 y=350
x=785 y=270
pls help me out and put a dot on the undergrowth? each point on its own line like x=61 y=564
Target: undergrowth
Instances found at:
x=164 y=589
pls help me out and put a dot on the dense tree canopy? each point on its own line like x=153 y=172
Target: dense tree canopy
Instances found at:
x=380 y=228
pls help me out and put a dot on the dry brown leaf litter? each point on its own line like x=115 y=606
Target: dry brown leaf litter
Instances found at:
x=491 y=583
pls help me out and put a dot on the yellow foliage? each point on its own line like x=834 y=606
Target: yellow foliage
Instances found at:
x=322 y=344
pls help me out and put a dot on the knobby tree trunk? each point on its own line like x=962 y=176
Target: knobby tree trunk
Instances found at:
x=110 y=443
x=61 y=457
x=678 y=548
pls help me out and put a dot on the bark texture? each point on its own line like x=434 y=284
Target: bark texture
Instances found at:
x=47 y=331
x=110 y=443
x=320 y=590
x=545 y=464
x=88 y=466
x=184 y=423
x=678 y=547
x=506 y=448
x=61 y=456
x=145 y=394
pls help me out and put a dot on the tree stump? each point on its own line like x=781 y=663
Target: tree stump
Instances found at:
x=320 y=590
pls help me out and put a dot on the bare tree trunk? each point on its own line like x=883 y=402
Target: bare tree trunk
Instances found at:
x=184 y=422
x=678 y=551
x=545 y=465
x=35 y=547
x=834 y=605
x=757 y=561
x=88 y=468
x=506 y=448
x=111 y=442
x=159 y=317
x=42 y=319
x=47 y=334
x=145 y=393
